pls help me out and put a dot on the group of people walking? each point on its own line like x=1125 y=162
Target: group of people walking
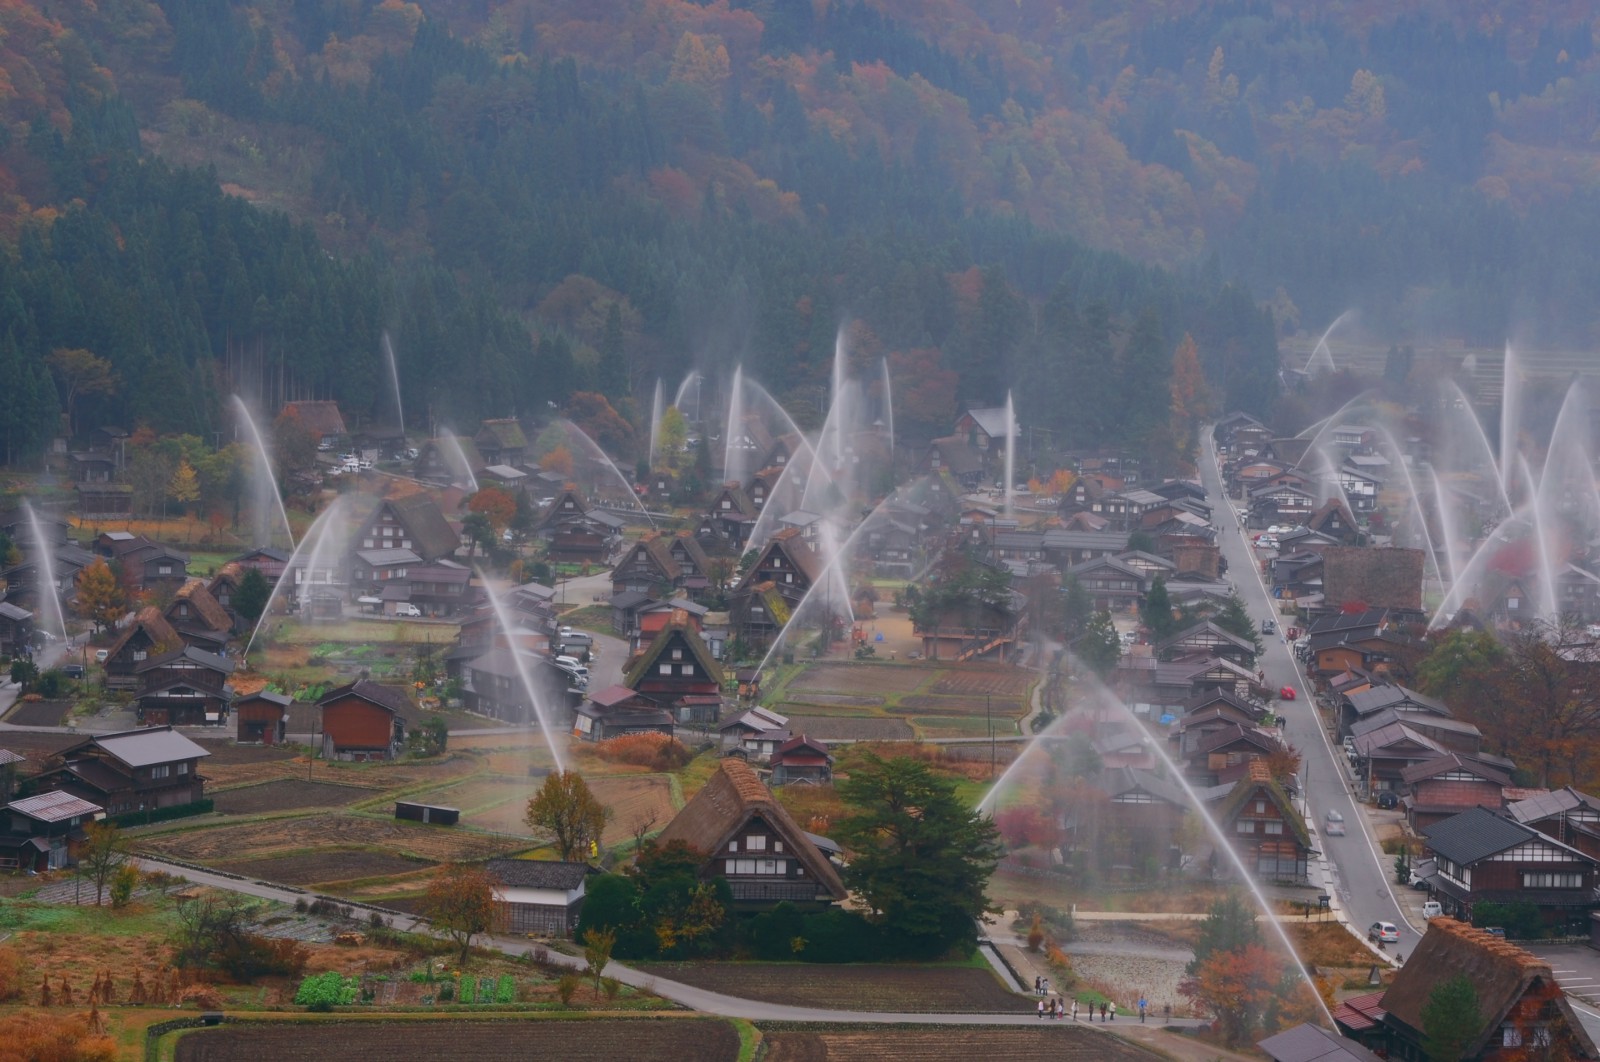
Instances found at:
x=1055 y=1008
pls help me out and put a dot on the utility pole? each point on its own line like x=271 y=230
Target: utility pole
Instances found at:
x=988 y=712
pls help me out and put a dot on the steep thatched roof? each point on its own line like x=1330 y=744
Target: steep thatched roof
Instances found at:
x=1502 y=974
x=203 y=608
x=643 y=664
x=155 y=625
x=732 y=797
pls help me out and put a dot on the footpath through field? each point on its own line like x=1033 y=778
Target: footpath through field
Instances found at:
x=717 y=1003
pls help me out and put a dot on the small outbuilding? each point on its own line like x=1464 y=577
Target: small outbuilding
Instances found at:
x=539 y=897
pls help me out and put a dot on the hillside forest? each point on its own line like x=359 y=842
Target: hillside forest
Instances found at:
x=532 y=199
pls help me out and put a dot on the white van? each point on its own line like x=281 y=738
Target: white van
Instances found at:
x=408 y=610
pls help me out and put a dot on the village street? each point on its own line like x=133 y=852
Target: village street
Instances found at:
x=1360 y=874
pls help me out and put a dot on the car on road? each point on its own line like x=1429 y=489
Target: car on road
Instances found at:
x=1431 y=910
x=1383 y=933
x=1268 y=627
x=1286 y=693
x=408 y=610
x=1333 y=824
x=102 y=655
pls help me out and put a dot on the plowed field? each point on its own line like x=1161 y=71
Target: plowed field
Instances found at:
x=918 y=989
x=668 y=1040
x=1052 y=1042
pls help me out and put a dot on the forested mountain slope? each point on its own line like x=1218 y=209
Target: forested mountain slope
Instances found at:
x=537 y=197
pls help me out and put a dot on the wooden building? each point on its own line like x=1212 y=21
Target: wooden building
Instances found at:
x=363 y=721
x=131 y=771
x=262 y=718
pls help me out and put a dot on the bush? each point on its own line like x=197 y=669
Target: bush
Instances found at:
x=1520 y=920
x=11 y=973
x=610 y=986
x=567 y=987
x=505 y=990
x=840 y=936
x=659 y=752
x=325 y=991
x=773 y=934
x=123 y=882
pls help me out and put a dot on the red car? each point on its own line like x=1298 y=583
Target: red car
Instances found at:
x=1287 y=693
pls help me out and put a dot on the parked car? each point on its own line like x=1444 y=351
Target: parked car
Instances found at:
x=1388 y=801
x=1418 y=882
x=412 y=453
x=1431 y=910
x=72 y=671
x=1495 y=931
x=1383 y=933
x=102 y=655
x=1333 y=824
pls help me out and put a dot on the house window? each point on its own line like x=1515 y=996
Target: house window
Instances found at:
x=726 y=504
x=664 y=669
x=1274 y=827
x=1552 y=881
x=688 y=669
x=139 y=654
x=677 y=654
x=366 y=543
x=161 y=771
x=183 y=768
x=1261 y=807
x=733 y=846
x=1244 y=826
x=755 y=843
x=777 y=846
x=164 y=569
x=1513 y=602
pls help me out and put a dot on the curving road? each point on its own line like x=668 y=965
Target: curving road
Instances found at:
x=1361 y=875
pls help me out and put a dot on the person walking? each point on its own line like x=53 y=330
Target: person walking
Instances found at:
x=1113 y=1010
x=1041 y=1010
x=1046 y=984
x=1166 y=1013
x=1141 y=1010
x=1036 y=983
x=1074 y=1009
x=1102 y=1012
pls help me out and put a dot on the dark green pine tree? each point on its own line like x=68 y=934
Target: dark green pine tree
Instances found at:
x=922 y=855
x=1156 y=610
x=1100 y=647
x=1144 y=377
x=612 y=374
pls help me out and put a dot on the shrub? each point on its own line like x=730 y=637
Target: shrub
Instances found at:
x=659 y=752
x=610 y=986
x=123 y=882
x=468 y=992
x=41 y=1034
x=325 y=991
x=567 y=987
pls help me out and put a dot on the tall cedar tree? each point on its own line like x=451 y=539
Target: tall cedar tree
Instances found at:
x=1236 y=621
x=460 y=904
x=921 y=858
x=566 y=807
x=250 y=600
x=1100 y=647
x=1156 y=611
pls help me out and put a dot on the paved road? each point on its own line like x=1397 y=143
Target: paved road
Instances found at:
x=1363 y=876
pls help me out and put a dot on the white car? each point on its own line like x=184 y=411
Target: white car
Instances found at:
x=1383 y=933
x=1431 y=910
x=408 y=610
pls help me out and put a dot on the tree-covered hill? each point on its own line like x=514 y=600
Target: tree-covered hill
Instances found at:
x=538 y=197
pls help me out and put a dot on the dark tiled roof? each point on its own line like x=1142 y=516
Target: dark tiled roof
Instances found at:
x=1473 y=835
x=390 y=697
x=538 y=873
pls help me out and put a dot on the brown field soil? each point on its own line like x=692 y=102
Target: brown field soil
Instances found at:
x=633 y=801
x=313 y=868
x=861 y=678
x=38 y=713
x=1048 y=1043
x=921 y=702
x=254 y=840
x=937 y=726
x=285 y=794
x=226 y=752
x=1007 y=681
x=844 y=728
x=615 y=1040
x=835 y=700
x=478 y=792
x=918 y=989
x=39 y=746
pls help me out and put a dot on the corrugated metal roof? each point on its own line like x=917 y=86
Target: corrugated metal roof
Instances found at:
x=54 y=807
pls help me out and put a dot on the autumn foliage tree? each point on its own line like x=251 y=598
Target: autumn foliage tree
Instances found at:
x=557 y=461
x=459 y=902
x=495 y=504
x=567 y=807
x=100 y=597
x=1236 y=986
x=80 y=373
